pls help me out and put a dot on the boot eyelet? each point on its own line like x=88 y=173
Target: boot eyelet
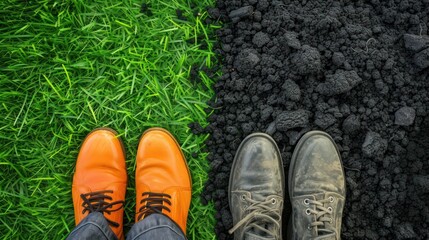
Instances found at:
x=307 y=211
x=243 y=197
x=273 y=201
x=330 y=220
x=306 y=201
x=330 y=209
x=331 y=199
x=309 y=227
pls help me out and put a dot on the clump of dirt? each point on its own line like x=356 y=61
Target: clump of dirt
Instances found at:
x=355 y=69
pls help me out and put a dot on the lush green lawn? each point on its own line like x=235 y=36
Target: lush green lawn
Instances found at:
x=69 y=66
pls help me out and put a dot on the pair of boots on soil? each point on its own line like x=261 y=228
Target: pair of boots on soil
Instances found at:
x=316 y=186
x=256 y=188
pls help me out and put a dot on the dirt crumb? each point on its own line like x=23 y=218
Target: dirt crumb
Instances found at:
x=339 y=82
x=292 y=119
x=405 y=116
x=307 y=60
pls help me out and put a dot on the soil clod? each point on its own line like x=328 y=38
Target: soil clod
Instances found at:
x=405 y=116
x=416 y=43
x=292 y=119
x=307 y=60
x=241 y=12
x=339 y=82
x=374 y=145
x=421 y=59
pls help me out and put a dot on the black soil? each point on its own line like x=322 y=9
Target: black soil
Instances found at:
x=355 y=69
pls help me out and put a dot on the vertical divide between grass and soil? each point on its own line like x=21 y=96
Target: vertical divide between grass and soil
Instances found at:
x=69 y=66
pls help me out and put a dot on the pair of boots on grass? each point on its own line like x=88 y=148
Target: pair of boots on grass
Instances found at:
x=163 y=188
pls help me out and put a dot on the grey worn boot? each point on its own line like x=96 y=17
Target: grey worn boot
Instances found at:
x=316 y=188
x=256 y=189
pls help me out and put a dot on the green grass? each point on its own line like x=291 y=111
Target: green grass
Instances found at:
x=69 y=66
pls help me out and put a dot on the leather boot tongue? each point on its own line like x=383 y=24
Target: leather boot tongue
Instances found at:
x=261 y=195
x=251 y=236
x=330 y=236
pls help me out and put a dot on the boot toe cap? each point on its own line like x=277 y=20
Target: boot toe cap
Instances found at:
x=317 y=166
x=258 y=167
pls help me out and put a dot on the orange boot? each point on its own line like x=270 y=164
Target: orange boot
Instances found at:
x=100 y=180
x=163 y=182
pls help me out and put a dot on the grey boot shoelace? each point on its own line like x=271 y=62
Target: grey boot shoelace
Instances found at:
x=259 y=211
x=320 y=213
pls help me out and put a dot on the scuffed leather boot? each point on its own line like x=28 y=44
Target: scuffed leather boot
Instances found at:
x=316 y=188
x=256 y=189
